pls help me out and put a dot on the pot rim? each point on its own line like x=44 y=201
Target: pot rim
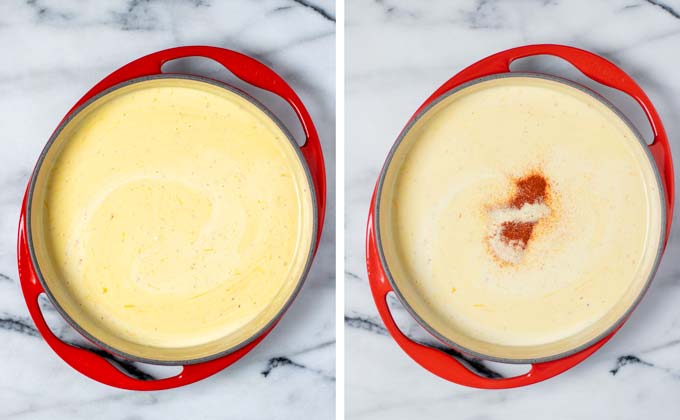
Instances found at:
x=383 y=261
x=310 y=254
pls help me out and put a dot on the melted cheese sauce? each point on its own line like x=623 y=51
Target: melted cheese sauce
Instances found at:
x=175 y=213
x=586 y=261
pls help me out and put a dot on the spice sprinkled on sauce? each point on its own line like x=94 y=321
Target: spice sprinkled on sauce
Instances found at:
x=513 y=224
x=530 y=190
x=517 y=231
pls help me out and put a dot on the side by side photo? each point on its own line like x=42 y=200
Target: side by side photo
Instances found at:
x=339 y=209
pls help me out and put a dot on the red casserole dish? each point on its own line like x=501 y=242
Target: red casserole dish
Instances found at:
x=497 y=67
x=194 y=368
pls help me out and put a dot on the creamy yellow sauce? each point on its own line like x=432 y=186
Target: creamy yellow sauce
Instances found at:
x=592 y=248
x=173 y=214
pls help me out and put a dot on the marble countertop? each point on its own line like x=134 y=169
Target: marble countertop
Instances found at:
x=53 y=51
x=398 y=52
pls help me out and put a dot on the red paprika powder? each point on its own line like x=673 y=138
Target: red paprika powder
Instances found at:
x=530 y=190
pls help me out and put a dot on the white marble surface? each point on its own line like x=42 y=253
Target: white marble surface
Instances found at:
x=398 y=52
x=52 y=52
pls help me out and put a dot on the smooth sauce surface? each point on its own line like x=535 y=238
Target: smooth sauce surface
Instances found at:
x=594 y=241
x=176 y=214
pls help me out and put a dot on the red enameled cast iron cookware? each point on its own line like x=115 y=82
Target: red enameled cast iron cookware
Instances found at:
x=248 y=70
x=440 y=363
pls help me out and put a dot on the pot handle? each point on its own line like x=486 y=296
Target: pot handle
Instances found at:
x=597 y=68
x=93 y=365
x=250 y=71
x=440 y=363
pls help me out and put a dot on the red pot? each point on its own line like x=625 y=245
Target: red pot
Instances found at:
x=95 y=366
x=498 y=65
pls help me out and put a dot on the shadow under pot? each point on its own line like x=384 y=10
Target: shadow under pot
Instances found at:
x=519 y=218
x=171 y=219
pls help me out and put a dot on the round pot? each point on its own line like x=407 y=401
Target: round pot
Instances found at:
x=385 y=260
x=41 y=271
